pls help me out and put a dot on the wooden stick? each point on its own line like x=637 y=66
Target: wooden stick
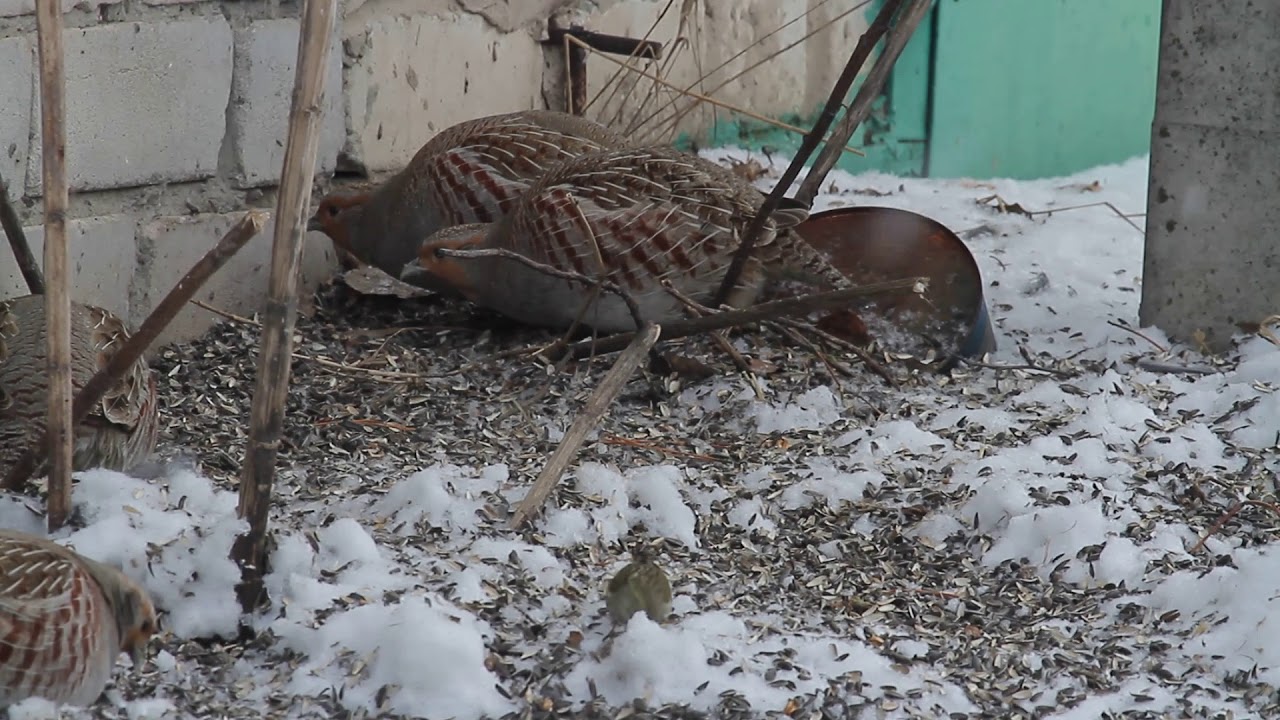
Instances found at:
x=903 y=28
x=279 y=315
x=810 y=143
x=599 y=401
x=765 y=311
x=710 y=100
x=59 y=430
x=18 y=242
x=137 y=344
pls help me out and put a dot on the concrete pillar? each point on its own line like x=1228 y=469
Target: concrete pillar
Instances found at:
x=1212 y=257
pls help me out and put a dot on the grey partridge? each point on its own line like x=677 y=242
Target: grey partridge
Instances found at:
x=118 y=433
x=470 y=172
x=633 y=217
x=64 y=620
x=641 y=586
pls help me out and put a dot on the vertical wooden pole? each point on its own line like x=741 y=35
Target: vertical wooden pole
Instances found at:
x=57 y=295
x=267 y=412
x=576 y=58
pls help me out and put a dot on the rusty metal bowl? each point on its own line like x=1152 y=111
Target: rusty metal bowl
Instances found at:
x=875 y=244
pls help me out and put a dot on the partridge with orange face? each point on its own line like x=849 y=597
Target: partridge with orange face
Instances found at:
x=470 y=172
x=64 y=620
x=633 y=217
x=118 y=433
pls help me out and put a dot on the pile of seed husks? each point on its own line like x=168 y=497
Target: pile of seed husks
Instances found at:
x=383 y=387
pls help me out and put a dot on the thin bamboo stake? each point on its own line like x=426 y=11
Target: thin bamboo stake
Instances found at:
x=857 y=59
x=708 y=99
x=904 y=27
x=594 y=409
x=266 y=420
x=18 y=243
x=159 y=319
x=679 y=113
x=59 y=429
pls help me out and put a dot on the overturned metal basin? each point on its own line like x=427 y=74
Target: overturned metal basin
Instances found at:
x=875 y=244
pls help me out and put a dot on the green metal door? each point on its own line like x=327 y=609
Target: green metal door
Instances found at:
x=1036 y=88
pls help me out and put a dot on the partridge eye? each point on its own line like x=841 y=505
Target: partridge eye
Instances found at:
x=332 y=210
x=438 y=252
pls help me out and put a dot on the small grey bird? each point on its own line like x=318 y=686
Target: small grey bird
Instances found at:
x=641 y=585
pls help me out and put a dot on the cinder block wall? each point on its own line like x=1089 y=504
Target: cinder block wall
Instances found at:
x=177 y=110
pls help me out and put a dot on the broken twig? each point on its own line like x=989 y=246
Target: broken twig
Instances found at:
x=764 y=311
x=810 y=143
x=18 y=242
x=594 y=409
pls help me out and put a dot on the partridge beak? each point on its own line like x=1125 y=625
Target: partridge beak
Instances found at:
x=139 y=655
x=413 y=273
x=313 y=224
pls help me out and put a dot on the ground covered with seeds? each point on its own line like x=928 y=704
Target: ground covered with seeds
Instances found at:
x=1038 y=536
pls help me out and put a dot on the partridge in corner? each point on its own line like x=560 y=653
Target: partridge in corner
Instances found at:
x=471 y=172
x=64 y=620
x=118 y=433
x=633 y=217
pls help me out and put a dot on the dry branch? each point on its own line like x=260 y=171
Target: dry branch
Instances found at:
x=59 y=429
x=903 y=28
x=594 y=409
x=137 y=344
x=18 y=242
x=765 y=311
x=712 y=101
x=851 y=69
x=266 y=420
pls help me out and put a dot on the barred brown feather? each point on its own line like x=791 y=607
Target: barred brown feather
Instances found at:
x=118 y=433
x=64 y=620
x=636 y=217
x=470 y=172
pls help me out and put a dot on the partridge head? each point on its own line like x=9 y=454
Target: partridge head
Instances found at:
x=64 y=620
x=119 y=432
x=628 y=220
x=470 y=172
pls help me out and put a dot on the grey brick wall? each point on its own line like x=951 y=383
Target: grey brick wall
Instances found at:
x=177 y=113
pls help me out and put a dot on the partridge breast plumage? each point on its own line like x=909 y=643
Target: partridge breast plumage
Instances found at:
x=635 y=217
x=64 y=620
x=117 y=434
x=471 y=172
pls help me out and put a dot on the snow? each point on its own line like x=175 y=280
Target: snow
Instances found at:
x=338 y=593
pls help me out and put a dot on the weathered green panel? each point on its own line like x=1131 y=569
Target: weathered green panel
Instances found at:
x=1035 y=88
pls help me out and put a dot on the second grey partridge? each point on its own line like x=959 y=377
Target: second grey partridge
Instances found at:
x=470 y=172
x=64 y=620
x=118 y=433
x=634 y=217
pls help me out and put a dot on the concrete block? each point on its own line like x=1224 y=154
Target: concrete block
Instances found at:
x=1220 y=64
x=261 y=94
x=101 y=251
x=146 y=103
x=168 y=247
x=14 y=8
x=1211 y=262
x=778 y=84
x=16 y=82
x=408 y=78
x=633 y=99
x=1211 y=259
